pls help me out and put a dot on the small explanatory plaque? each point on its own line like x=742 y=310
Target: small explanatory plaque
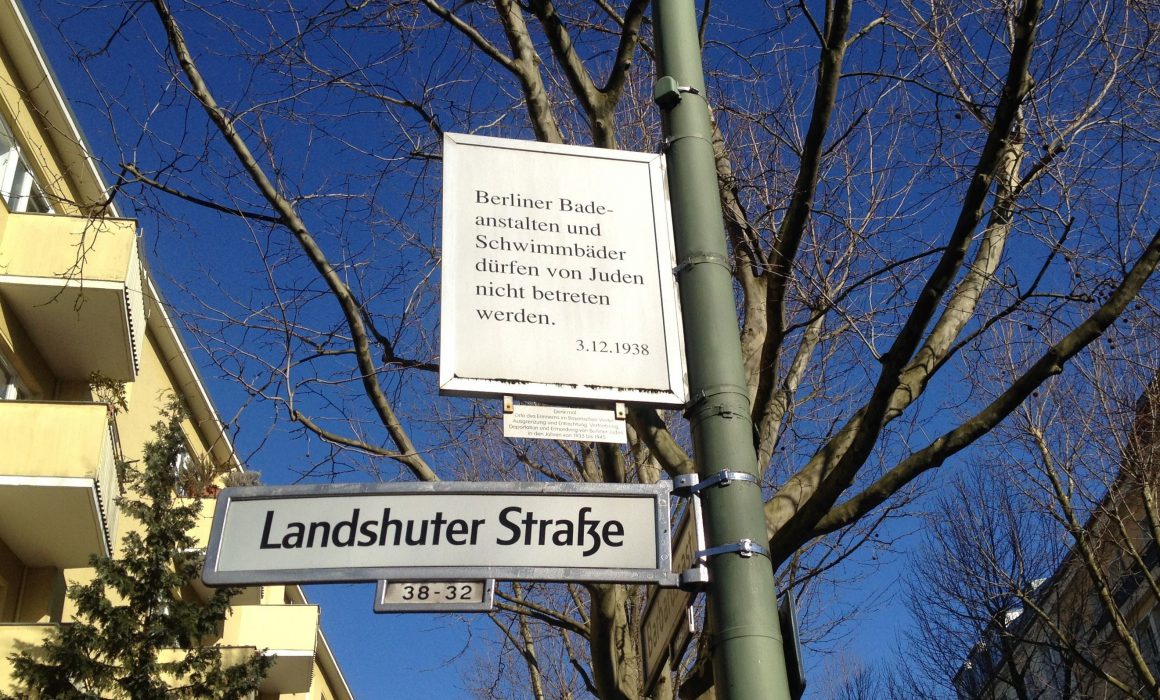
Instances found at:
x=557 y=273
x=564 y=423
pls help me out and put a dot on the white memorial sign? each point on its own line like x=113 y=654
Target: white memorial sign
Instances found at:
x=440 y=531
x=557 y=273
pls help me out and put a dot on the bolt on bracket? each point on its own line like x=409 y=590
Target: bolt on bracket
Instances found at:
x=746 y=548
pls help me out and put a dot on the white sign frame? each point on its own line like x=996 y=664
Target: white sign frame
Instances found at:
x=243 y=549
x=605 y=340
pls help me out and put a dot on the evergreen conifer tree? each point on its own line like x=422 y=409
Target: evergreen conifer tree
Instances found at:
x=132 y=615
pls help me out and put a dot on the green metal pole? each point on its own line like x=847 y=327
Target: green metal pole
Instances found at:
x=748 y=661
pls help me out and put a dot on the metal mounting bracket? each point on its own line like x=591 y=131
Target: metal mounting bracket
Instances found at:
x=722 y=479
x=684 y=485
x=694 y=579
x=688 y=485
x=745 y=548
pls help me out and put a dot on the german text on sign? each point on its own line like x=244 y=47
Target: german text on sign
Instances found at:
x=587 y=532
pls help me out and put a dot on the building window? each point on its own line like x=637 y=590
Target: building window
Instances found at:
x=10 y=386
x=182 y=473
x=1147 y=635
x=18 y=188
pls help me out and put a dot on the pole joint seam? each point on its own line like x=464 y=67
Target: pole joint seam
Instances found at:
x=704 y=403
x=740 y=632
x=670 y=140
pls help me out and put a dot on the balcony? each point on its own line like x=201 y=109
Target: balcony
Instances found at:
x=200 y=531
x=287 y=633
x=75 y=285
x=200 y=535
x=58 y=482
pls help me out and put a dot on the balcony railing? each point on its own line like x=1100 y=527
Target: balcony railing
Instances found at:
x=58 y=481
x=75 y=284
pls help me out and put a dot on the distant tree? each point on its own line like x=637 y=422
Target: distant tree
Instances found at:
x=1052 y=590
x=135 y=635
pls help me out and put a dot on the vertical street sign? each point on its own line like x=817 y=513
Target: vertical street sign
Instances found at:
x=665 y=627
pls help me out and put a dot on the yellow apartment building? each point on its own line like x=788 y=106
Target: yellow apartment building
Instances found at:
x=77 y=300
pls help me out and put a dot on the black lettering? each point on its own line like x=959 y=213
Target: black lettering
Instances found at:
x=316 y=527
x=368 y=533
x=529 y=525
x=421 y=539
x=544 y=524
x=581 y=524
x=438 y=522
x=293 y=538
x=456 y=529
x=564 y=535
x=613 y=528
x=352 y=525
x=503 y=520
x=388 y=523
x=265 y=544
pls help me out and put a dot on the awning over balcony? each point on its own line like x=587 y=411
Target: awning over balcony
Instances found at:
x=58 y=479
x=287 y=633
x=75 y=285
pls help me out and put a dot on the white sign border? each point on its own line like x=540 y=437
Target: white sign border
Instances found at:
x=450 y=384
x=660 y=493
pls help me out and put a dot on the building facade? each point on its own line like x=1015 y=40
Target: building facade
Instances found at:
x=78 y=310
x=1093 y=629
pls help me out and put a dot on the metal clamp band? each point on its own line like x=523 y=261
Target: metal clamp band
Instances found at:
x=723 y=400
x=724 y=478
x=693 y=259
x=686 y=485
x=745 y=548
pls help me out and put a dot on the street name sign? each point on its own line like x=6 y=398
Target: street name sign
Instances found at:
x=447 y=531
x=557 y=274
x=665 y=627
x=434 y=596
